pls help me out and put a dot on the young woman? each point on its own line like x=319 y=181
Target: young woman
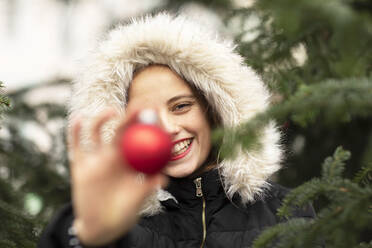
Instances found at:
x=195 y=82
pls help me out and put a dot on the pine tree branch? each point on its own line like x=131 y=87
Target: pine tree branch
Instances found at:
x=329 y=102
x=347 y=217
x=4 y=101
x=334 y=34
x=17 y=228
x=364 y=176
x=339 y=224
x=364 y=245
x=334 y=166
x=287 y=235
x=335 y=190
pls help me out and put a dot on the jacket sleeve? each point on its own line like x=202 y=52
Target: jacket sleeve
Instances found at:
x=59 y=232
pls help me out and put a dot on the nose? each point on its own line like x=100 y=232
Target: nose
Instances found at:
x=168 y=123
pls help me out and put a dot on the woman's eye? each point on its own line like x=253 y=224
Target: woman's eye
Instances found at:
x=182 y=106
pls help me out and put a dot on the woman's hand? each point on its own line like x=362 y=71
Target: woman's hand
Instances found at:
x=107 y=194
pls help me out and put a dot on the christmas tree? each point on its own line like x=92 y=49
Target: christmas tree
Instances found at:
x=31 y=184
x=343 y=222
x=16 y=225
x=316 y=57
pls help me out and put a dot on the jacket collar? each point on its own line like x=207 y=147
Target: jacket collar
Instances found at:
x=184 y=190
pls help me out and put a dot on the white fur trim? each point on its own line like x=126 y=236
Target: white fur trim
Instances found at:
x=211 y=64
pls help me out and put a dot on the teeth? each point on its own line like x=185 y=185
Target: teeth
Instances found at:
x=181 y=147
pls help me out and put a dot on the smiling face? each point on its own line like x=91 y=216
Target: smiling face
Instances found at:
x=181 y=114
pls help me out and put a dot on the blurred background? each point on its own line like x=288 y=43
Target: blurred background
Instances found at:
x=314 y=56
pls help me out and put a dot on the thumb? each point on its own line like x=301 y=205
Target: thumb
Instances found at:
x=157 y=181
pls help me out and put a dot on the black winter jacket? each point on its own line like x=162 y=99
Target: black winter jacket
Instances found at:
x=202 y=217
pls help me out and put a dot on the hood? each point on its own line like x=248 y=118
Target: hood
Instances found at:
x=203 y=59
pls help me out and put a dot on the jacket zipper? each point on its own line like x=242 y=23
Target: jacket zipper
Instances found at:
x=199 y=193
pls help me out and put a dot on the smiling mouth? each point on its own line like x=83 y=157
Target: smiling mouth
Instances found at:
x=181 y=149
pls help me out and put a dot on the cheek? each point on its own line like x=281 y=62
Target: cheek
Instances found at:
x=198 y=123
x=206 y=143
x=203 y=131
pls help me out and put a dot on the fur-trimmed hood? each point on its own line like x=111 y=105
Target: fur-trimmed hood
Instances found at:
x=202 y=59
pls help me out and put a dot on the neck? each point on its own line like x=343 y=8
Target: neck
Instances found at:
x=204 y=168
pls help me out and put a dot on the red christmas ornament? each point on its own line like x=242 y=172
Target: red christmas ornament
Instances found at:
x=146 y=147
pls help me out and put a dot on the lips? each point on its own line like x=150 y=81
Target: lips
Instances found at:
x=181 y=148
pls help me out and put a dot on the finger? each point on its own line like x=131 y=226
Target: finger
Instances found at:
x=75 y=137
x=154 y=182
x=98 y=123
x=162 y=181
x=126 y=122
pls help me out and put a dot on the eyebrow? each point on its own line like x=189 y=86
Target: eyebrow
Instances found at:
x=175 y=98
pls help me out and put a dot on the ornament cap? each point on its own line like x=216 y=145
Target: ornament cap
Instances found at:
x=148 y=116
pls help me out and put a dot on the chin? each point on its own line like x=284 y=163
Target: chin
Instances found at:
x=179 y=171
